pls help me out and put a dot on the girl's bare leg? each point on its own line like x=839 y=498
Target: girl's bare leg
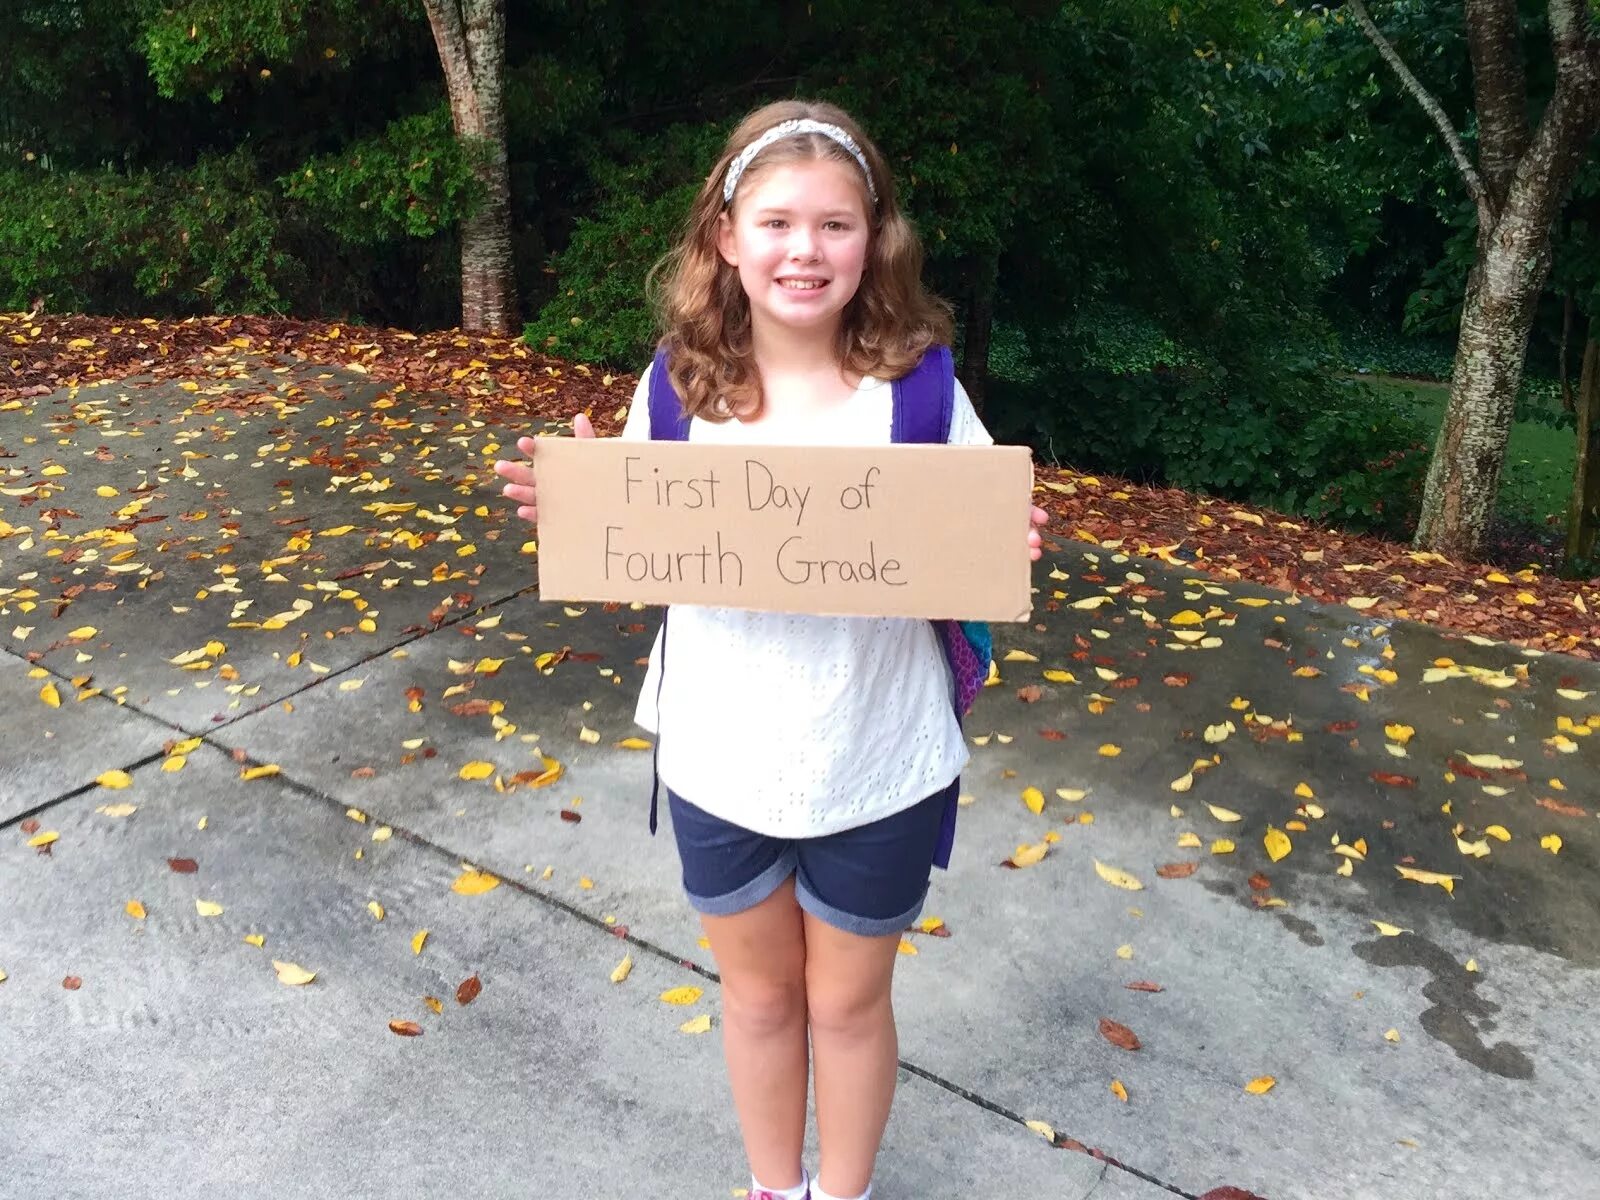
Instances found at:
x=854 y=1047
x=761 y=956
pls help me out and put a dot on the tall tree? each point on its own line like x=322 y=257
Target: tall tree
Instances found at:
x=471 y=37
x=1517 y=185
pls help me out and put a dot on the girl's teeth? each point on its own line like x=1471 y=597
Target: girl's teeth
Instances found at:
x=800 y=286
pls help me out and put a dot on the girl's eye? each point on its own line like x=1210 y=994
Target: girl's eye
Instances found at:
x=838 y=225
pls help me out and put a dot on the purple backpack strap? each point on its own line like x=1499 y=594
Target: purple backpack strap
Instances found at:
x=924 y=408
x=667 y=424
x=667 y=420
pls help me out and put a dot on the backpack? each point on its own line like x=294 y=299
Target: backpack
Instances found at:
x=924 y=405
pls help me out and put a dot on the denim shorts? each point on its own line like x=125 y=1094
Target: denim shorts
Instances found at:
x=871 y=880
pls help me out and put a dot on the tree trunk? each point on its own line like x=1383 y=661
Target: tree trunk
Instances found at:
x=980 y=324
x=1464 y=475
x=1583 y=518
x=471 y=39
x=1567 y=308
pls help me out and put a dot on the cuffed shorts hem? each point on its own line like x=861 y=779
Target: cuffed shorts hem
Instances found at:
x=849 y=922
x=751 y=894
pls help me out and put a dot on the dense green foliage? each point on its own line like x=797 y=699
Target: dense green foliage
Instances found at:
x=1181 y=202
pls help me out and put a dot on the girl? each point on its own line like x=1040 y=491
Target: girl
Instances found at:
x=807 y=760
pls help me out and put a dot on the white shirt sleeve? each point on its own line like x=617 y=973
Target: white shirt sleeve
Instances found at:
x=965 y=427
x=637 y=427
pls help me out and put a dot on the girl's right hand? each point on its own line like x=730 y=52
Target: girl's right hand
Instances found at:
x=520 y=471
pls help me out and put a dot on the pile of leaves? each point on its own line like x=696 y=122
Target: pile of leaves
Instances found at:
x=502 y=379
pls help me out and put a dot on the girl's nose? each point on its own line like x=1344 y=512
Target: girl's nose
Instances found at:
x=803 y=245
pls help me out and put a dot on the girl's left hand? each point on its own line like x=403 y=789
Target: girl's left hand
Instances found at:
x=1037 y=517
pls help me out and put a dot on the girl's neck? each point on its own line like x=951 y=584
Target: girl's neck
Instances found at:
x=780 y=351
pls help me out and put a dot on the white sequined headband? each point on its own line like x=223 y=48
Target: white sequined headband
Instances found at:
x=792 y=129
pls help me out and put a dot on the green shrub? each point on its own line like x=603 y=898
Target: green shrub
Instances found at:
x=202 y=240
x=644 y=186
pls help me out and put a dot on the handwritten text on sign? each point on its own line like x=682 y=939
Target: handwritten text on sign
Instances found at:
x=911 y=531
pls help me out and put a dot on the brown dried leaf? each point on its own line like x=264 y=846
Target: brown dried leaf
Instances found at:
x=1118 y=1034
x=1176 y=679
x=72 y=983
x=1144 y=985
x=1052 y=735
x=1393 y=780
x=30 y=826
x=1260 y=882
x=1556 y=806
x=468 y=991
x=1030 y=694
x=571 y=815
x=405 y=1028
x=1177 y=870
x=183 y=866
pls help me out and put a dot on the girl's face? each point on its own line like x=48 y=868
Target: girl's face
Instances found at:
x=798 y=236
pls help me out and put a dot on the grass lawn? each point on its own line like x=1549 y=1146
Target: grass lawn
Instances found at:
x=1537 y=480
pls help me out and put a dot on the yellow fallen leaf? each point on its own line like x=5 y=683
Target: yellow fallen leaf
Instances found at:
x=134 y=909
x=1388 y=930
x=208 y=908
x=907 y=948
x=114 y=779
x=1117 y=1090
x=1260 y=1086
x=43 y=839
x=622 y=969
x=1026 y=856
x=474 y=883
x=292 y=974
x=1399 y=733
x=375 y=909
x=1072 y=795
x=50 y=695
x=266 y=770
x=1478 y=849
x=118 y=810
x=1472 y=964
x=1392 y=1036
x=1551 y=842
x=1117 y=877
x=1020 y=656
x=633 y=743
x=1183 y=782
x=1187 y=617
x=1043 y=1130
x=1493 y=762
x=1188 y=841
x=1034 y=799
x=476 y=770
x=1124 y=952
x=1222 y=846
x=255 y=939
x=682 y=996
x=1224 y=814
x=1110 y=751
x=585 y=734
x=1303 y=790
x=1277 y=843
x=1447 y=882
x=417 y=940
x=1055 y=676
x=1219 y=733
x=1345 y=868
x=700 y=1024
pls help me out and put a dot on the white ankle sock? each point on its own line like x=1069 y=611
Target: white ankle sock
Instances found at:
x=797 y=1192
x=818 y=1194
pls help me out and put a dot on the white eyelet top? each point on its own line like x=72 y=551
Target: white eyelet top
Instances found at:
x=798 y=726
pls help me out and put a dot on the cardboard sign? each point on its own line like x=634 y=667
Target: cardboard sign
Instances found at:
x=899 y=531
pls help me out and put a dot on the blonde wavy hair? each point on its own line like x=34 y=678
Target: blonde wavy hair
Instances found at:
x=704 y=314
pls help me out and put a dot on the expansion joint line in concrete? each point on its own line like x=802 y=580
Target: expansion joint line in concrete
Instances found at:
x=1062 y=1141
x=207 y=733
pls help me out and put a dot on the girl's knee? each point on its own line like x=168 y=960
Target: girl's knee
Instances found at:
x=763 y=1007
x=846 y=1008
